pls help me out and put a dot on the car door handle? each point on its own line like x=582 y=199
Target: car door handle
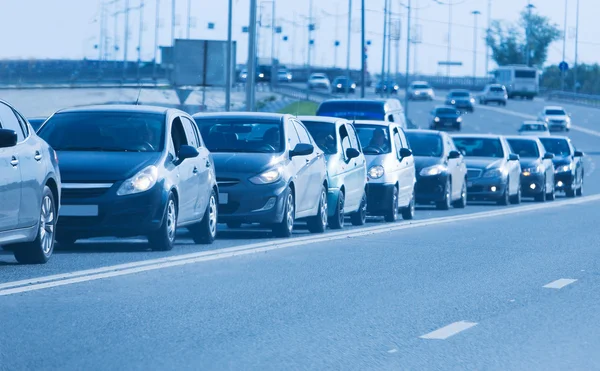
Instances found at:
x=195 y=170
x=14 y=162
x=207 y=163
x=37 y=156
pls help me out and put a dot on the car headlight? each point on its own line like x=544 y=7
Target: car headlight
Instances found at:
x=533 y=170
x=417 y=93
x=494 y=173
x=261 y=75
x=244 y=75
x=452 y=101
x=564 y=168
x=459 y=119
x=339 y=86
x=376 y=172
x=353 y=86
x=472 y=100
x=140 y=182
x=267 y=177
x=433 y=170
x=396 y=87
x=437 y=119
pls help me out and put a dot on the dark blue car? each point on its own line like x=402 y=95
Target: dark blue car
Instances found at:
x=132 y=171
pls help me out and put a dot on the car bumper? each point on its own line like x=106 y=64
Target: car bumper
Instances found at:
x=532 y=185
x=379 y=197
x=430 y=189
x=414 y=96
x=247 y=203
x=488 y=189
x=445 y=125
x=461 y=106
x=563 y=181
x=343 y=90
x=558 y=127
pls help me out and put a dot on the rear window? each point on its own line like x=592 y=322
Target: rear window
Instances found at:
x=496 y=89
x=358 y=110
x=524 y=148
x=525 y=74
x=533 y=127
x=459 y=94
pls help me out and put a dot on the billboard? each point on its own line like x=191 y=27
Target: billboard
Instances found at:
x=201 y=62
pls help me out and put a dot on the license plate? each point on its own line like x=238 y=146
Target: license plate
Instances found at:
x=223 y=198
x=448 y=123
x=79 y=210
x=469 y=184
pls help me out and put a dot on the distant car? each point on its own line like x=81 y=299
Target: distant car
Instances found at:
x=30 y=189
x=284 y=76
x=494 y=93
x=269 y=170
x=441 y=170
x=383 y=87
x=445 y=117
x=132 y=171
x=391 y=169
x=389 y=110
x=493 y=172
x=346 y=168
x=36 y=122
x=461 y=99
x=318 y=81
x=535 y=128
x=568 y=162
x=420 y=90
x=537 y=171
x=556 y=117
x=341 y=84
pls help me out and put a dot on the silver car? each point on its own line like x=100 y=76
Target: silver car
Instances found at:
x=319 y=81
x=556 y=117
x=391 y=169
x=495 y=93
x=420 y=90
x=535 y=128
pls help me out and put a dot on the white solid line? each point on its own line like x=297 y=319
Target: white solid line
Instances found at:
x=559 y=284
x=40 y=283
x=450 y=330
x=391 y=351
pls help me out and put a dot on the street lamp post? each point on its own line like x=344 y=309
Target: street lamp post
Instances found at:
x=487 y=48
x=475 y=13
x=363 y=52
x=575 y=65
x=530 y=6
x=348 y=45
x=407 y=61
x=384 y=44
x=228 y=73
x=251 y=76
x=156 y=28
x=563 y=74
x=449 y=50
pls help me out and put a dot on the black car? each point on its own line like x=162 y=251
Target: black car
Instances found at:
x=132 y=171
x=461 y=99
x=569 y=169
x=440 y=169
x=269 y=170
x=537 y=171
x=445 y=117
x=30 y=188
x=36 y=122
x=383 y=87
x=341 y=84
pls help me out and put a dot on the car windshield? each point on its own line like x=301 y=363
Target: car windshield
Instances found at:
x=558 y=146
x=420 y=86
x=459 y=94
x=352 y=110
x=241 y=135
x=496 y=89
x=533 y=127
x=446 y=111
x=425 y=144
x=105 y=131
x=323 y=134
x=375 y=139
x=479 y=147
x=555 y=112
x=318 y=77
x=524 y=148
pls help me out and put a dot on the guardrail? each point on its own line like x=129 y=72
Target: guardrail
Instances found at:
x=302 y=93
x=583 y=99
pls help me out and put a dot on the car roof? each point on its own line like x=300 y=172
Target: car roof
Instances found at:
x=561 y=137
x=496 y=85
x=323 y=119
x=245 y=115
x=358 y=100
x=522 y=137
x=490 y=136
x=424 y=131
x=372 y=122
x=532 y=122
x=419 y=83
x=118 y=107
x=553 y=107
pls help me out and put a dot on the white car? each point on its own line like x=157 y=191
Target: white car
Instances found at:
x=494 y=93
x=556 y=117
x=535 y=128
x=319 y=81
x=390 y=169
x=420 y=90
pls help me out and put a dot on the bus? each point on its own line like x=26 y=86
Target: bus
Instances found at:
x=520 y=80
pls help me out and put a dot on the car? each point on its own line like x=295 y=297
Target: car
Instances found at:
x=536 y=128
x=445 y=117
x=269 y=170
x=346 y=168
x=389 y=110
x=284 y=76
x=569 y=170
x=493 y=171
x=243 y=76
x=390 y=169
x=36 y=122
x=383 y=87
x=461 y=99
x=420 y=90
x=556 y=117
x=440 y=169
x=30 y=190
x=537 y=171
x=495 y=93
x=318 y=81
x=132 y=170
x=341 y=84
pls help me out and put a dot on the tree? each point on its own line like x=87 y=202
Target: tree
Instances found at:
x=508 y=41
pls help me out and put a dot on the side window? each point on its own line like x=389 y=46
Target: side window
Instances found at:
x=391 y=117
x=292 y=136
x=302 y=133
x=397 y=141
x=23 y=123
x=403 y=138
x=178 y=135
x=8 y=120
x=190 y=132
x=353 y=137
x=345 y=138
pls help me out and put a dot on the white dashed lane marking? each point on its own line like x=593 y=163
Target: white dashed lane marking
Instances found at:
x=450 y=330
x=559 y=284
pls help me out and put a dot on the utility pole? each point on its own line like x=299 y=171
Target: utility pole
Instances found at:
x=310 y=28
x=363 y=52
x=102 y=30
x=384 y=43
x=406 y=77
x=348 y=45
x=273 y=69
x=449 y=51
x=488 y=31
x=116 y=33
x=189 y=19
x=562 y=73
x=475 y=13
x=126 y=41
x=156 y=27
x=416 y=37
x=335 y=45
x=139 y=48
x=528 y=33
x=251 y=77
x=575 y=65
x=389 y=48
x=228 y=61
x=397 y=47
x=173 y=20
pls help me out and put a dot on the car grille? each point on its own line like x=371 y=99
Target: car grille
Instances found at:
x=75 y=193
x=227 y=182
x=473 y=173
x=556 y=122
x=229 y=208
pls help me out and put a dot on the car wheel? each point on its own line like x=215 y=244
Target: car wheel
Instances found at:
x=447 y=202
x=164 y=238
x=360 y=217
x=337 y=220
x=461 y=203
x=392 y=213
x=408 y=213
x=40 y=250
x=579 y=191
x=234 y=225
x=205 y=232
x=552 y=195
x=516 y=199
x=505 y=198
x=286 y=226
x=570 y=193
x=318 y=223
x=542 y=196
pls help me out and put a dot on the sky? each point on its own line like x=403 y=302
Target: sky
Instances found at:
x=43 y=29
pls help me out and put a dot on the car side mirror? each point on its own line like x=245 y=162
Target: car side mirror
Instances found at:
x=405 y=152
x=352 y=153
x=186 y=152
x=453 y=155
x=549 y=156
x=302 y=149
x=513 y=157
x=8 y=138
x=578 y=154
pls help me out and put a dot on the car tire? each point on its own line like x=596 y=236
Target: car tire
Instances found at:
x=360 y=216
x=234 y=225
x=318 y=223
x=461 y=203
x=579 y=191
x=542 y=196
x=408 y=213
x=447 y=202
x=40 y=250
x=391 y=214
x=205 y=232
x=164 y=238
x=337 y=220
x=570 y=193
x=516 y=199
x=505 y=198
x=285 y=228
x=552 y=195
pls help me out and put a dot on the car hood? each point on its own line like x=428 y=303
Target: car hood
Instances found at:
x=483 y=163
x=557 y=117
x=459 y=99
x=76 y=167
x=561 y=160
x=529 y=162
x=244 y=163
x=422 y=162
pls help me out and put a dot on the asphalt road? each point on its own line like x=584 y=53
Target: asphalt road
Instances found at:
x=369 y=298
